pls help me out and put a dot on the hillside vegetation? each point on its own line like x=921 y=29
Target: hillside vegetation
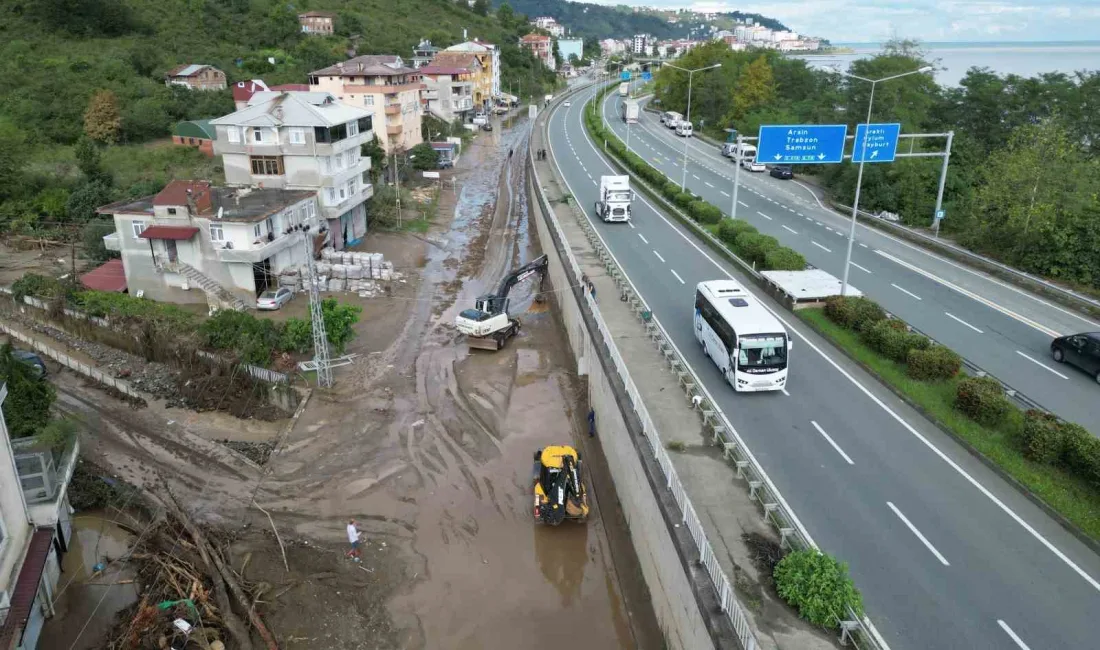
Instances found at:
x=61 y=58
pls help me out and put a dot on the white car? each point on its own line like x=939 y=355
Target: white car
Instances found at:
x=753 y=165
x=566 y=104
x=271 y=300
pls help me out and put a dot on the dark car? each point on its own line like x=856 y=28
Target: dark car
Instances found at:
x=486 y=127
x=782 y=171
x=1081 y=350
x=31 y=359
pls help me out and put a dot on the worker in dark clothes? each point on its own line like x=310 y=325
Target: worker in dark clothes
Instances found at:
x=591 y=423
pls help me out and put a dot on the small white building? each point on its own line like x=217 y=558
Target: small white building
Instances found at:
x=35 y=531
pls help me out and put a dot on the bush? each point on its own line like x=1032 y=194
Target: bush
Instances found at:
x=671 y=190
x=684 y=199
x=982 y=399
x=297 y=335
x=252 y=339
x=753 y=246
x=729 y=229
x=893 y=340
x=855 y=313
x=934 y=364
x=1080 y=452
x=36 y=286
x=1042 y=437
x=705 y=213
x=784 y=259
x=818 y=586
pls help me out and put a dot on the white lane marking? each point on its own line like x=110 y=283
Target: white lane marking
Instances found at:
x=802 y=215
x=916 y=532
x=831 y=442
x=763 y=215
x=905 y=291
x=630 y=224
x=855 y=382
x=724 y=193
x=658 y=256
x=973 y=296
x=863 y=245
x=959 y=320
x=828 y=228
x=743 y=204
x=708 y=184
x=820 y=246
x=677 y=276
x=1012 y=635
x=1040 y=363
x=791 y=229
x=821 y=224
x=861 y=268
x=696 y=177
x=643 y=238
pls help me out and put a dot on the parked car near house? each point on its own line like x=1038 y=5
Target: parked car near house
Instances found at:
x=31 y=359
x=271 y=300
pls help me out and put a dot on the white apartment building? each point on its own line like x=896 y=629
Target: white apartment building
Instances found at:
x=550 y=25
x=385 y=87
x=449 y=92
x=35 y=531
x=490 y=58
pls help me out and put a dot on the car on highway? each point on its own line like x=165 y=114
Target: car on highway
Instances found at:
x=782 y=171
x=486 y=127
x=271 y=300
x=566 y=104
x=753 y=165
x=1081 y=350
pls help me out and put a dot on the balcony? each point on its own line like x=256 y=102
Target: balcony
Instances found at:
x=257 y=252
x=44 y=471
x=112 y=242
x=394 y=129
x=393 y=109
x=463 y=104
x=385 y=90
x=366 y=191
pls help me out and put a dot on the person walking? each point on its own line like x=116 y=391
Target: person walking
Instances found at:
x=591 y=423
x=353 y=538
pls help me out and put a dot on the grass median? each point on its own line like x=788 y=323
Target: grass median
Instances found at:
x=1076 y=499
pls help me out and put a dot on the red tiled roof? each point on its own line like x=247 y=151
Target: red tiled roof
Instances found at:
x=534 y=38
x=318 y=14
x=441 y=69
x=26 y=586
x=109 y=277
x=243 y=90
x=175 y=193
x=178 y=233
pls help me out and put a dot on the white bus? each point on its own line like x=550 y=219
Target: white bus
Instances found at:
x=747 y=342
x=671 y=119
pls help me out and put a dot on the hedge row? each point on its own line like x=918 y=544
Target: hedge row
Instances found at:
x=1046 y=439
x=763 y=252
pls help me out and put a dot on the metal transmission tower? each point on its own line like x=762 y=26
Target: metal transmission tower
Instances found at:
x=317 y=318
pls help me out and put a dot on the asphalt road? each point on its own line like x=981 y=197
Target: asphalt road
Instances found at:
x=1002 y=329
x=946 y=553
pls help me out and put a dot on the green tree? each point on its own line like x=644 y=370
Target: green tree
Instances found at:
x=92 y=237
x=102 y=120
x=83 y=17
x=89 y=159
x=340 y=320
x=27 y=407
x=505 y=15
x=13 y=153
x=373 y=150
x=424 y=157
x=755 y=88
x=481 y=7
x=86 y=199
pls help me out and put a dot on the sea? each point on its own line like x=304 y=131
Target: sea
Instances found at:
x=952 y=60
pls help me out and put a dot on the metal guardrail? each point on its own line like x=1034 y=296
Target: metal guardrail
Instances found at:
x=793 y=534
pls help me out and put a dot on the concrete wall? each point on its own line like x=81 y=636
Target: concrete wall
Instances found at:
x=620 y=438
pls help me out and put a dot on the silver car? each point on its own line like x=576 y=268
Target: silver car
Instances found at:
x=271 y=300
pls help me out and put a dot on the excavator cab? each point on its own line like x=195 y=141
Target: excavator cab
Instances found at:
x=559 y=491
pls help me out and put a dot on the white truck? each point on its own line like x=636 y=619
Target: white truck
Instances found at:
x=729 y=150
x=615 y=198
x=624 y=89
x=671 y=119
x=629 y=110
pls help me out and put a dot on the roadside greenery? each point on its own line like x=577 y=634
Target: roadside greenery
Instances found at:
x=761 y=251
x=1057 y=461
x=1023 y=185
x=818 y=586
x=27 y=406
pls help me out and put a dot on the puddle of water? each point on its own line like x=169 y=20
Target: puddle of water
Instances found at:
x=81 y=597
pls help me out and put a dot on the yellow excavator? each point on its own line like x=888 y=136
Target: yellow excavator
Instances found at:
x=559 y=490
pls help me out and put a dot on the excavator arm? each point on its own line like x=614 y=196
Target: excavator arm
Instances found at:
x=498 y=302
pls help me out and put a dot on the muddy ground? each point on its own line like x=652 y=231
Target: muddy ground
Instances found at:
x=428 y=446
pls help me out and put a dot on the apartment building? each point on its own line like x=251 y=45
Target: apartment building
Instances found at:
x=423 y=54
x=641 y=43
x=35 y=531
x=570 y=47
x=317 y=22
x=481 y=77
x=541 y=46
x=449 y=92
x=383 y=86
x=196 y=76
x=549 y=25
x=489 y=56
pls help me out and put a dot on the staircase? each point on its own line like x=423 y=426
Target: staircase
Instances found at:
x=218 y=296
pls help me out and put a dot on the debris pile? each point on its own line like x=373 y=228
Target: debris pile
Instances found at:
x=362 y=273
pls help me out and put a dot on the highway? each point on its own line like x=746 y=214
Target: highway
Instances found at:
x=1004 y=330
x=946 y=554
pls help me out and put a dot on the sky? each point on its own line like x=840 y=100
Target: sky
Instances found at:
x=927 y=20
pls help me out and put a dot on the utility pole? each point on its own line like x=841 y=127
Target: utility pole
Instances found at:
x=317 y=319
x=943 y=180
x=397 y=185
x=737 y=159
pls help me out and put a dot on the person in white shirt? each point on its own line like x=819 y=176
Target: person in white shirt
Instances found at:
x=353 y=539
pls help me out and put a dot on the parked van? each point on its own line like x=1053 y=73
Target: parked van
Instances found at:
x=683 y=129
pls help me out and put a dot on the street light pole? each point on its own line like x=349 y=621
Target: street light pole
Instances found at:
x=862 y=158
x=736 y=177
x=943 y=181
x=691 y=73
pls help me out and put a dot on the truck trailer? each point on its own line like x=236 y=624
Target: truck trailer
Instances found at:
x=629 y=110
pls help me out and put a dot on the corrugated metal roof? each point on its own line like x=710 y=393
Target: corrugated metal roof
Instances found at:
x=196 y=129
x=188 y=70
x=292 y=109
x=177 y=233
x=26 y=586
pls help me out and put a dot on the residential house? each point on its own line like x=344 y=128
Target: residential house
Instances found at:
x=482 y=79
x=423 y=54
x=541 y=46
x=195 y=133
x=569 y=47
x=383 y=85
x=227 y=243
x=244 y=90
x=550 y=25
x=317 y=22
x=35 y=531
x=489 y=55
x=196 y=76
x=449 y=92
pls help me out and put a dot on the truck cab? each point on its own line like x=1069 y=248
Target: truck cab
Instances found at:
x=615 y=198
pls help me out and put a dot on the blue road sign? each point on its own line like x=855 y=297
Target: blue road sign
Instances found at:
x=882 y=143
x=801 y=144
x=625 y=76
x=940 y=214
x=647 y=76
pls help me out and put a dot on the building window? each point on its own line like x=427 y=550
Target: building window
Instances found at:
x=366 y=178
x=342 y=192
x=368 y=100
x=353 y=186
x=326 y=164
x=139 y=227
x=256 y=230
x=330 y=196
x=297 y=136
x=171 y=210
x=258 y=135
x=352 y=157
x=216 y=233
x=233 y=135
x=309 y=210
x=353 y=128
x=267 y=165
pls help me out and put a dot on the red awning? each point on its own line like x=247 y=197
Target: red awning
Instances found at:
x=26 y=586
x=109 y=277
x=169 y=232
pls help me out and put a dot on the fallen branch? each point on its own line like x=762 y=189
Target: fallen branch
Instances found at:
x=277 y=537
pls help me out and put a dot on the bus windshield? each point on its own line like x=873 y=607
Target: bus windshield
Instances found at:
x=763 y=351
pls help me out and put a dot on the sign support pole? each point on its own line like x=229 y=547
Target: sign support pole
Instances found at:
x=736 y=178
x=943 y=180
x=859 y=183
